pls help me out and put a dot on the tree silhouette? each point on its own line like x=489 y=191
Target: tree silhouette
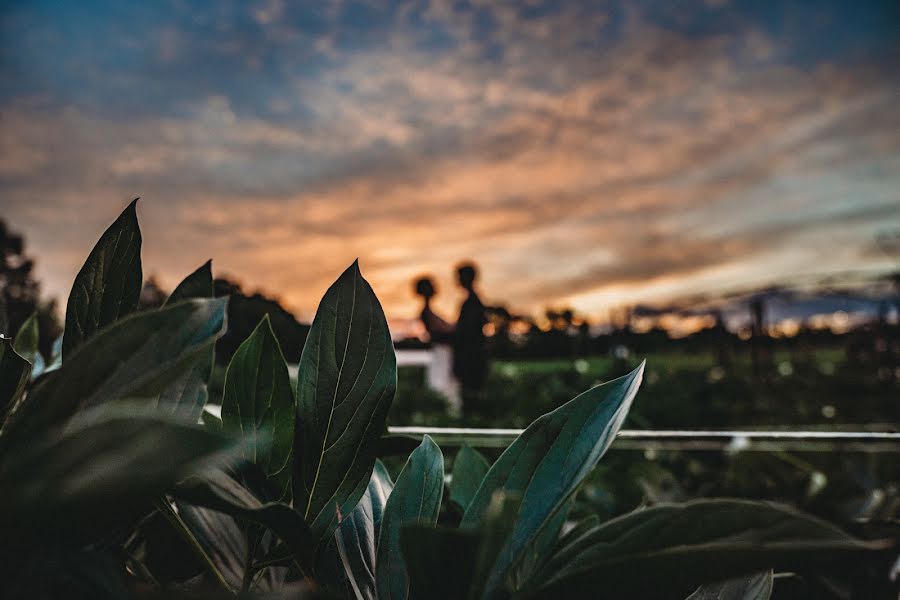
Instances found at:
x=20 y=291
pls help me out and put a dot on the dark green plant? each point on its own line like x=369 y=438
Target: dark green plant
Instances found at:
x=113 y=490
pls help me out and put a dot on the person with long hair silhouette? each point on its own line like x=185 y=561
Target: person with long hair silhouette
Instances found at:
x=440 y=334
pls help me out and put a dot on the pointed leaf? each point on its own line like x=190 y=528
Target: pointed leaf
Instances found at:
x=416 y=500
x=13 y=376
x=686 y=545
x=347 y=377
x=187 y=394
x=198 y=284
x=26 y=340
x=108 y=286
x=135 y=357
x=469 y=468
x=258 y=399
x=548 y=462
x=750 y=587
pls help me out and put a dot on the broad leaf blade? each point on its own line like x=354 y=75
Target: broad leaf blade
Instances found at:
x=358 y=535
x=198 y=284
x=26 y=340
x=108 y=286
x=187 y=394
x=469 y=468
x=234 y=545
x=686 y=545
x=108 y=459
x=219 y=491
x=548 y=462
x=416 y=500
x=13 y=376
x=347 y=377
x=258 y=400
x=135 y=357
x=750 y=587
x=497 y=525
x=440 y=561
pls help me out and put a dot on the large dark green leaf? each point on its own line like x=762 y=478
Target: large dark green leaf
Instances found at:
x=219 y=491
x=431 y=552
x=107 y=459
x=548 y=462
x=258 y=399
x=108 y=286
x=751 y=587
x=357 y=536
x=440 y=561
x=669 y=550
x=187 y=394
x=135 y=357
x=416 y=500
x=26 y=341
x=346 y=381
x=221 y=539
x=198 y=284
x=13 y=376
x=496 y=527
x=469 y=468
x=231 y=546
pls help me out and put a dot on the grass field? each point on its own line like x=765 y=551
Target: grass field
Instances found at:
x=680 y=390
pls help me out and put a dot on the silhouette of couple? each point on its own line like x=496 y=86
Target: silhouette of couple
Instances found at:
x=465 y=339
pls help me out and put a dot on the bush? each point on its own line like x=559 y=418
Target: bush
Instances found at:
x=113 y=490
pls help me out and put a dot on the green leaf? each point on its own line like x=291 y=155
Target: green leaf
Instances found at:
x=548 y=462
x=107 y=460
x=440 y=561
x=198 y=284
x=108 y=286
x=751 y=587
x=686 y=545
x=347 y=377
x=219 y=491
x=187 y=394
x=416 y=500
x=134 y=358
x=496 y=527
x=13 y=376
x=231 y=545
x=358 y=535
x=26 y=340
x=258 y=399
x=430 y=551
x=469 y=468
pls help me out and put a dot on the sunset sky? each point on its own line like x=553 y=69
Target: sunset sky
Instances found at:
x=583 y=153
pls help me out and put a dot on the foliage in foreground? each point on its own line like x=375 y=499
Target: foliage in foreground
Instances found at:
x=113 y=489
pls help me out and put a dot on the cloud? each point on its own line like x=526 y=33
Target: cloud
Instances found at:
x=580 y=155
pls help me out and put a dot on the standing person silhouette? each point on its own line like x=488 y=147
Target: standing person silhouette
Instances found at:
x=470 y=364
x=440 y=334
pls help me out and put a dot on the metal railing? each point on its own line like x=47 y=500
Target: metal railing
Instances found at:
x=642 y=439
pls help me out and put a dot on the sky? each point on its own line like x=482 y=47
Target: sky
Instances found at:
x=585 y=154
